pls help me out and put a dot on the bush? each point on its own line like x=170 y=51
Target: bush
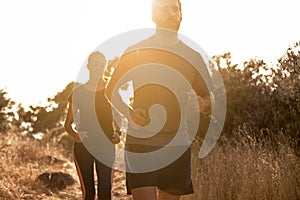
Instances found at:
x=263 y=97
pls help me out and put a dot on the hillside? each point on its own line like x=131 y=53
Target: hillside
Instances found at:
x=25 y=164
x=233 y=170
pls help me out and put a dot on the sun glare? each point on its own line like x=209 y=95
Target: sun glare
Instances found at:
x=52 y=41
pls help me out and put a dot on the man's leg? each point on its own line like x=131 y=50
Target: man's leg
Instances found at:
x=166 y=196
x=144 y=193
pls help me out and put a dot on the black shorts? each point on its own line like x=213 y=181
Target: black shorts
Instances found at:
x=174 y=179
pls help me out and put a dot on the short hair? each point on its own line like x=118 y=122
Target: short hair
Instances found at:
x=154 y=1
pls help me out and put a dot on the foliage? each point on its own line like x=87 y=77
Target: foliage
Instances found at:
x=44 y=119
x=246 y=170
x=24 y=159
x=263 y=97
x=287 y=93
x=51 y=116
x=5 y=110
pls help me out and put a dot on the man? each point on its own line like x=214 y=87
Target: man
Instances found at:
x=163 y=71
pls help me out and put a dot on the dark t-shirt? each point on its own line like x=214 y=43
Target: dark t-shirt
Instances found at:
x=161 y=75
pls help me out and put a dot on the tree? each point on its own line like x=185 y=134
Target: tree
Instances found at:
x=263 y=97
x=24 y=119
x=287 y=91
x=6 y=114
x=52 y=115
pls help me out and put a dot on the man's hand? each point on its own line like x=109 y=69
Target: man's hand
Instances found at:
x=202 y=104
x=138 y=116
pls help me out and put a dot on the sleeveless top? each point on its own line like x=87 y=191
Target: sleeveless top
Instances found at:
x=94 y=111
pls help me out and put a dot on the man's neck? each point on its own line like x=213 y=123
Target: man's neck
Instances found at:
x=166 y=36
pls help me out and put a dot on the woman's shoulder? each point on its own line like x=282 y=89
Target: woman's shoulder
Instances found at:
x=77 y=90
x=78 y=87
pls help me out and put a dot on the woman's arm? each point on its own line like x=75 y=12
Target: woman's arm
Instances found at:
x=68 y=123
x=116 y=133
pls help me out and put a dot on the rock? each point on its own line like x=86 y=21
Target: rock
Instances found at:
x=55 y=180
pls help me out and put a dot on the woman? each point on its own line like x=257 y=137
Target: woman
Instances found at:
x=88 y=101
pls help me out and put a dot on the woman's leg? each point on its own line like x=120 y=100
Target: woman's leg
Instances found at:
x=85 y=168
x=104 y=176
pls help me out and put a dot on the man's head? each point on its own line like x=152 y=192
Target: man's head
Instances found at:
x=167 y=14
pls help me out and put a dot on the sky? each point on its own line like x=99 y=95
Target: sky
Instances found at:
x=43 y=43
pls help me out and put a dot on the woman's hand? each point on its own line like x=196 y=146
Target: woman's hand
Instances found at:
x=76 y=138
x=116 y=137
x=80 y=136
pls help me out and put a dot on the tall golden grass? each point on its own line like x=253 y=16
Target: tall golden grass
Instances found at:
x=247 y=169
x=241 y=170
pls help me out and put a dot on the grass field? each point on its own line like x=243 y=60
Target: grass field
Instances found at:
x=239 y=171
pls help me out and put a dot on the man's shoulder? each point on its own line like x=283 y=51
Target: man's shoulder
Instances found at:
x=146 y=43
x=188 y=49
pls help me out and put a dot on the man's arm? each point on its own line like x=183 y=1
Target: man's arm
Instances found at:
x=204 y=97
x=134 y=116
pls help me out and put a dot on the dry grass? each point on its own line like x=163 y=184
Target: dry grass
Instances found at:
x=247 y=171
x=22 y=160
x=240 y=171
